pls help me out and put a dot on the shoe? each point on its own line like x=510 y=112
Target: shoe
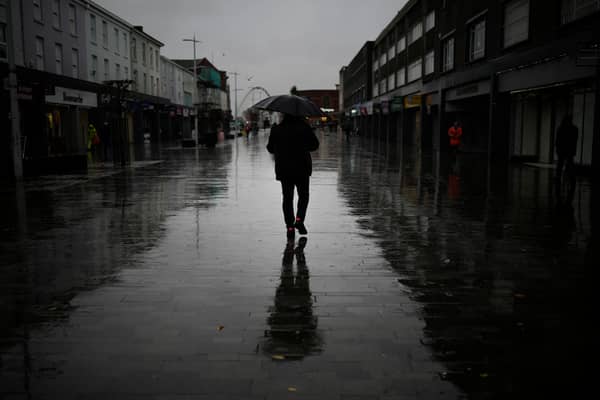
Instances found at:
x=300 y=226
x=291 y=233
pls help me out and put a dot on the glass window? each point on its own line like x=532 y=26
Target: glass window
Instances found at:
x=75 y=63
x=430 y=63
x=38 y=15
x=375 y=65
x=117 y=45
x=383 y=86
x=415 y=70
x=516 y=22
x=402 y=44
x=375 y=90
x=143 y=54
x=383 y=59
x=106 y=70
x=125 y=72
x=448 y=54
x=72 y=20
x=3 y=39
x=94 y=68
x=118 y=71
x=151 y=57
x=415 y=32
x=104 y=34
x=93 y=37
x=125 y=48
x=391 y=81
x=401 y=77
x=133 y=49
x=392 y=52
x=58 y=58
x=430 y=21
x=39 y=53
x=477 y=41
x=145 y=83
x=135 y=79
x=572 y=10
x=56 y=13
x=157 y=59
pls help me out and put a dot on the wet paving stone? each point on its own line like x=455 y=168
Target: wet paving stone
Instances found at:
x=173 y=279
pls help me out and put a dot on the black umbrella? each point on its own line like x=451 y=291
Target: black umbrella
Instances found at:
x=290 y=104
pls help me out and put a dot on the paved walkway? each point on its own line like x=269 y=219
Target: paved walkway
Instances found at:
x=174 y=280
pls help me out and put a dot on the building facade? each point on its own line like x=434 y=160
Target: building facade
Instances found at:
x=508 y=71
x=108 y=38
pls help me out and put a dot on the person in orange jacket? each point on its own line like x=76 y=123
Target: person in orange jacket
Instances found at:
x=454 y=133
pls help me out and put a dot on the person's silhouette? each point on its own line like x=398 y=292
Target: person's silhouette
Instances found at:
x=566 y=148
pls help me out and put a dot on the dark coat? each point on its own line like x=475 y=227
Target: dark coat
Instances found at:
x=566 y=140
x=291 y=142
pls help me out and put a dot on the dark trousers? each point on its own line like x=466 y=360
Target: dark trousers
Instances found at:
x=287 y=190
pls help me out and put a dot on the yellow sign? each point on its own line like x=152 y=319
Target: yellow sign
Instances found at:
x=412 y=101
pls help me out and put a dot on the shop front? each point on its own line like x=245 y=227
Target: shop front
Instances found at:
x=66 y=119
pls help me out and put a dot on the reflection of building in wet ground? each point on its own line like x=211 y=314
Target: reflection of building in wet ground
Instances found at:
x=498 y=274
x=71 y=234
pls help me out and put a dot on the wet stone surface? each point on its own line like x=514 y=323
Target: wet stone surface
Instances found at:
x=174 y=280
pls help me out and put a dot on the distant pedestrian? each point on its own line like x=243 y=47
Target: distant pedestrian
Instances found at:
x=455 y=133
x=566 y=148
x=347 y=127
x=291 y=142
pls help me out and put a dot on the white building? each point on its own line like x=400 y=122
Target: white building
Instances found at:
x=177 y=83
x=145 y=62
x=108 y=38
x=53 y=36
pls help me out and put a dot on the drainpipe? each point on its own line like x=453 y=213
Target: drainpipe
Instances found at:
x=15 y=117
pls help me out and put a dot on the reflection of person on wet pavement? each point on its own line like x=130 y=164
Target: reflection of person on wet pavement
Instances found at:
x=566 y=147
x=291 y=142
x=292 y=326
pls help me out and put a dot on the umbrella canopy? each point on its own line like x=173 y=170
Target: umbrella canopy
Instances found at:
x=290 y=104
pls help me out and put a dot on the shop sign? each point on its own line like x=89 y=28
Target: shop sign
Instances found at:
x=186 y=112
x=396 y=104
x=24 y=93
x=412 y=101
x=470 y=90
x=385 y=107
x=73 y=97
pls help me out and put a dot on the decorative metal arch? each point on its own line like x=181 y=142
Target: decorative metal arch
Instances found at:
x=253 y=89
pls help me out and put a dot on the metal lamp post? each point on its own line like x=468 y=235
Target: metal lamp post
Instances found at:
x=194 y=41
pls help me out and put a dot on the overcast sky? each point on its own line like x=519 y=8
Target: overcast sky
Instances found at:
x=279 y=43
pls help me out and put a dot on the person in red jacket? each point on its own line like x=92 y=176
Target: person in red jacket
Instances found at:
x=454 y=133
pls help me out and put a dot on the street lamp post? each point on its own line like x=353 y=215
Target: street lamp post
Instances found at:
x=194 y=41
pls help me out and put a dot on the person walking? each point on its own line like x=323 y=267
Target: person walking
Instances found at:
x=454 y=133
x=566 y=148
x=291 y=142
